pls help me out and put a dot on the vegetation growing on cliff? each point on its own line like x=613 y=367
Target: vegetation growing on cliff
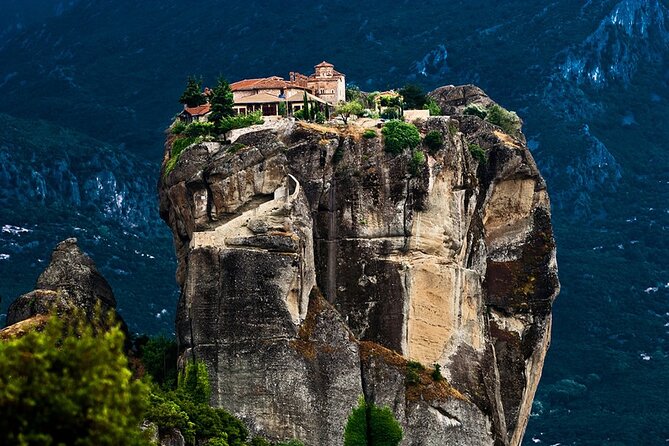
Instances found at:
x=370 y=425
x=398 y=136
x=497 y=115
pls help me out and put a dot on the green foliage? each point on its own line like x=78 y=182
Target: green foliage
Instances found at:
x=239 y=122
x=399 y=136
x=371 y=425
x=503 y=118
x=221 y=101
x=290 y=443
x=197 y=128
x=353 y=93
x=305 y=108
x=259 y=441
x=187 y=409
x=414 y=96
x=433 y=107
x=283 y=109
x=348 y=109
x=390 y=113
x=159 y=356
x=417 y=162
x=369 y=134
x=178 y=146
x=478 y=153
x=320 y=118
x=413 y=372
x=475 y=110
x=69 y=385
x=194 y=382
x=434 y=140
x=177 y=128
x=192 y=95
x=299 y=115
x=219 y=441
x=436 y=373
x=389 y=100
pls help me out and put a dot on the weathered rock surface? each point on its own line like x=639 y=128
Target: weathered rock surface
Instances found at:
x=453 y=266
x=70 y=282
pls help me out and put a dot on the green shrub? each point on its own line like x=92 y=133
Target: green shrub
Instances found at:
x=239 y=122
x=434 y=140
x=320 y=117
x=436 y=373
x=194 y=382
x=299 y=114
x=199 y=129
x=371 y=425
x=159 y=356
x=178 y=146
x=503 y=118
x=259 y=441
x=390 y=113
x=433 y=107
x=477 y=152
x=187 y=409
x=475 y=110
x=413 y=372
x=399 y=136
x=218 y=441
x=369 y=134
x=178 y=128
x=417 y=162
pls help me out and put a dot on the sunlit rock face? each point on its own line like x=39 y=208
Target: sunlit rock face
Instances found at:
x=314 y=265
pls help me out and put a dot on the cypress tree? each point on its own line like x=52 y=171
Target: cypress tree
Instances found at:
x=305 y=107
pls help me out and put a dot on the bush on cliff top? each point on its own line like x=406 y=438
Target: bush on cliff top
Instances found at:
x=398 y=136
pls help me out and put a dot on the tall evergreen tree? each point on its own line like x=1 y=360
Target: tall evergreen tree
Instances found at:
x=192 y=95
x=305 y=107
x=221 y=101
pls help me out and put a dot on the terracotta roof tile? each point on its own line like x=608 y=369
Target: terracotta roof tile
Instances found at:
x=199 y=110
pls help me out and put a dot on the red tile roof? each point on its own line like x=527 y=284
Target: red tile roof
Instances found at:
x=199 y=110
x=265 y=82
x=324 y=64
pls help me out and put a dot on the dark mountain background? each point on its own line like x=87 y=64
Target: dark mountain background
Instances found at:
x=89 y=86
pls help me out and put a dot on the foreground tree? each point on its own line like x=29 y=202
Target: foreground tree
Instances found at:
x=192 y=95
x=68 y=385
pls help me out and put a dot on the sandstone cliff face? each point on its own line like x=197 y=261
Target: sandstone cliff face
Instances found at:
x=313 y=265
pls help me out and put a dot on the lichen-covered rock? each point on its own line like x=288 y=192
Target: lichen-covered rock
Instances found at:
x=70 y=282
x=452 y=263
